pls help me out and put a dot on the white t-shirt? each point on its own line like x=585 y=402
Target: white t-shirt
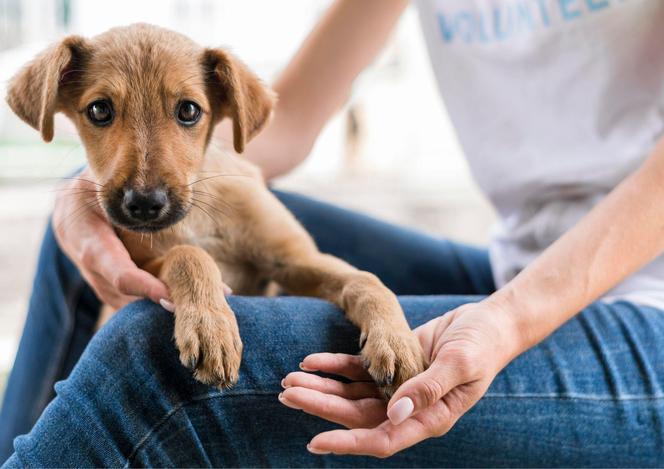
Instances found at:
x=554 y=102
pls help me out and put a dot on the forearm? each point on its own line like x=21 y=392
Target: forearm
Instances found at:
x=317 y=80
x=620 y=235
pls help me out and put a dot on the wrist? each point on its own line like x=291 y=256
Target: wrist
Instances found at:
x=514 y=328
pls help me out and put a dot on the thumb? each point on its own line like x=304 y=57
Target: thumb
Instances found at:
x=136 y=282
x=109 y=258
x=420 y=392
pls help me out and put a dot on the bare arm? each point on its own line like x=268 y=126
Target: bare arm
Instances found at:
x=318 y=79
x=620 y=235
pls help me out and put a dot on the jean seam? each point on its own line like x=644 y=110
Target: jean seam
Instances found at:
x=71 y=301
x=567 y=396
x=579 y=397
x=184 y=404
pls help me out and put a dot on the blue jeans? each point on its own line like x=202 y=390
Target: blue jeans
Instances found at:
x=592 y=394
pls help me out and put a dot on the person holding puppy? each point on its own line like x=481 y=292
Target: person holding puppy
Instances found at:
x=545 y=350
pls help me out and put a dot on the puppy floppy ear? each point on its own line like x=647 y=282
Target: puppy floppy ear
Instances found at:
x=35 y=90
x=239 y=94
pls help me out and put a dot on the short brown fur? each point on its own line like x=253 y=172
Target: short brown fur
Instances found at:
x=231 y=222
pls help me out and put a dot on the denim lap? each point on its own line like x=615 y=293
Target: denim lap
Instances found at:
x=130 y=402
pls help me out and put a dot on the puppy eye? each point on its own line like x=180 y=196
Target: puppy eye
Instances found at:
x=100 y=112
x=187 y=113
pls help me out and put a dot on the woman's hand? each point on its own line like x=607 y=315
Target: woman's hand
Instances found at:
x=88 y=239
x=467 y=347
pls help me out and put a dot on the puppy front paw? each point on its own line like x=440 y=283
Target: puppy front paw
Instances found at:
x=209 y=343
x=391 y=356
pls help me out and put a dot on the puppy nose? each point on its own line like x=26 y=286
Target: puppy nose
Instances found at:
x=144 y=206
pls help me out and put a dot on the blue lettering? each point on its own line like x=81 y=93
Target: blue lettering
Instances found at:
x=445 y=30
x=509 y=18
x=482 y=28
x=524 y=17
x=594 y=5
x=499 y=32
x=568 y=14
x=543 y=12
x=466 y=18
x=463 y=25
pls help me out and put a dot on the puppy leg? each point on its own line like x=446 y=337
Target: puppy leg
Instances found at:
x=391 y=352
x=206 y=332
x=283 y=251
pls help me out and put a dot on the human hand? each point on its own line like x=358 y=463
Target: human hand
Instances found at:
x=467 y=347
x=88 y=239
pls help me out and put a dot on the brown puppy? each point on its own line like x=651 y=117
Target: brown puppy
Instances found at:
x=145 y=101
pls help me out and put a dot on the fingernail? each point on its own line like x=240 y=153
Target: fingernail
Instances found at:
x=316 y=451
x=304 y=368
x=283 y=383
x=286 y=402
x=167 y=305
x=227 y=290
x=401 y=410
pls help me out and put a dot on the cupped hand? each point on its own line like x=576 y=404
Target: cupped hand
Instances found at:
x=88 y=239
x=466 y=347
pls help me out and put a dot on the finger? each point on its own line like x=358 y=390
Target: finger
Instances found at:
x=381 y=441
x=348 y=366
x=422 y=391
x=364 y=413
x=128 y=284
x=136 y=282
x=119 y=302
x=356 y=390
x=107 y=294
x=107 y=256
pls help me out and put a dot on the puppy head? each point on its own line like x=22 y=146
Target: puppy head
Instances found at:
x=145 y=101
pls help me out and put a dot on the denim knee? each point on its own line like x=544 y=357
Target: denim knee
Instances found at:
x=127 y=379
x=134 y=353
x=277 y=334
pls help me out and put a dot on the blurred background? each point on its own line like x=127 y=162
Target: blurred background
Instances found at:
x=390 y=151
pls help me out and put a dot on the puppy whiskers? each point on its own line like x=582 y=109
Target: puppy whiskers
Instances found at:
x=78 y=212
x=216 y=209
x=76 y=178
x=194 y=204
x=217 y=176
x=217 y=203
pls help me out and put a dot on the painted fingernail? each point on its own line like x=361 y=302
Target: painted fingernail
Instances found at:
x=363 y=340
x=286 y=402
x=401 y=410
x=227 y=290
x=316 y=451
x=167 y=305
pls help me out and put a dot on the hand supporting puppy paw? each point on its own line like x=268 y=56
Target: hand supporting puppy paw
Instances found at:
x=467 y=348
x=392 y=355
